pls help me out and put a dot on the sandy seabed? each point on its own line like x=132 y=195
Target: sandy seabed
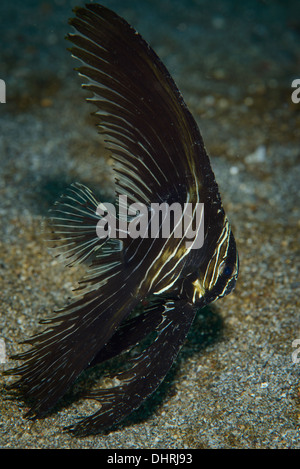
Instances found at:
x=235 y=383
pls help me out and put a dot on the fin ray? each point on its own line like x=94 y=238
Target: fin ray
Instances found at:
x=53 y=363
x=73 y=222
x=146 y=373
x=137 y=91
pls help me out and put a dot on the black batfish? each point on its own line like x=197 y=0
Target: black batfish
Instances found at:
x=159 y=157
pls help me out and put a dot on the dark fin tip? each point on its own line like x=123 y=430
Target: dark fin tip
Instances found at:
x=76 y=9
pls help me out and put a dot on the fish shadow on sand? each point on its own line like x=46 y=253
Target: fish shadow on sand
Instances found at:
x=206 y=331
x=49 y=190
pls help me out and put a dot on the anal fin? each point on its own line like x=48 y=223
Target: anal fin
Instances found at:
x=145 y=375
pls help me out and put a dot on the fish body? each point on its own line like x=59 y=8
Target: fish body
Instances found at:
x=159 y=157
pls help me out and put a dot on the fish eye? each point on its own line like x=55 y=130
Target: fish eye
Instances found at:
x=227 y=271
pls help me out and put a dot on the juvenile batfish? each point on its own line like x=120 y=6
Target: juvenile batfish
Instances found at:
x=159 y=157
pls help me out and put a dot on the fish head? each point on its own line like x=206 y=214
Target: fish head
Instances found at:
x=217 y=277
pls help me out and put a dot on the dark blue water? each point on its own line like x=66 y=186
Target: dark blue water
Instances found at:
x=249 y=40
